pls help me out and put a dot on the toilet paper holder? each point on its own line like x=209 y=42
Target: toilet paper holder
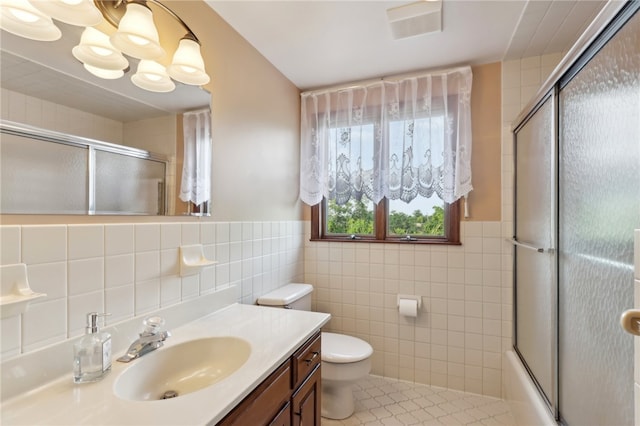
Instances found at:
x=410 y=297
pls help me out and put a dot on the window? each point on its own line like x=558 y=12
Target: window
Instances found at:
x=420 y=221
x=388 y=161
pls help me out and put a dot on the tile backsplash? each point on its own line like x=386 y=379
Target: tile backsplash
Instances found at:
x=132 y=269
x=456 y=340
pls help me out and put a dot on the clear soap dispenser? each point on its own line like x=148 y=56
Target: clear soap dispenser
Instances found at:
x=92 y=353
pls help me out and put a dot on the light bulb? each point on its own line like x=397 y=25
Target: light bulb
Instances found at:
x=24 y=15
x=102 y=73
x=138 y=40
x=100 y=50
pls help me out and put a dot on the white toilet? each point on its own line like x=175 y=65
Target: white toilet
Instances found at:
x=345 y=359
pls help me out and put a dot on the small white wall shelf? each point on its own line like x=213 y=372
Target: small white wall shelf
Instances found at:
x=15 y=293
x=192 y=260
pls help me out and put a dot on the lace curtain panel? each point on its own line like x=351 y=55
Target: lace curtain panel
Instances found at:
x=396 y=139
x=196 y=170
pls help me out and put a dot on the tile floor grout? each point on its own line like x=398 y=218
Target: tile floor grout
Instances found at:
x=388 y=402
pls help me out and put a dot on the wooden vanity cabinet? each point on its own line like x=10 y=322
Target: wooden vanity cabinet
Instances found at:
x=283 y=418
x=305 y=403
x=289 y=396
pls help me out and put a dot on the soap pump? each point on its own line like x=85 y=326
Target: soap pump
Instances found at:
x=92 y=353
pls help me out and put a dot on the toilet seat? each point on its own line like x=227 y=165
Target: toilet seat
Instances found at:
x=342 y=349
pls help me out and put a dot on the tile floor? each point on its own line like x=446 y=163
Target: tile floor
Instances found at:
x=388 y=402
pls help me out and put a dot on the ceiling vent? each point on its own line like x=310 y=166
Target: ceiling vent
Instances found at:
x=421 y=17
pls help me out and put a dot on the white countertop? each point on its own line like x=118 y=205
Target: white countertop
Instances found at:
x=274 y=334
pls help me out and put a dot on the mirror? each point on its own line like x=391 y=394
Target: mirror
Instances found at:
x=127 y=115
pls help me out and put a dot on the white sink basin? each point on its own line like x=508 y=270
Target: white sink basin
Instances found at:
x=181 y=369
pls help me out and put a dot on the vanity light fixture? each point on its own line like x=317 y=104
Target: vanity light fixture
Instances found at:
x=19 y=17
x=82 y=13
x=96 y=51
x=136 y=36
x=103 y=73
x=152 y=76
x=187 y=65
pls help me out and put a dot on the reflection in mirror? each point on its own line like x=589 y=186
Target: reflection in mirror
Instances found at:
x=44 y=87
x=49 y=172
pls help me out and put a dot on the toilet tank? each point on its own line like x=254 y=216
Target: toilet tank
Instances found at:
x=291 y=296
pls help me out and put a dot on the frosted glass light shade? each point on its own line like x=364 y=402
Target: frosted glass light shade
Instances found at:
x=96 y=50
x=19 y=17
x=83 y=13
x=137 y=35
x=152 y=76
x=103 y=73
x=187 y=65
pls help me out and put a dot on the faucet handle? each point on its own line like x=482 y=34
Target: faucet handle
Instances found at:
x=153 y=324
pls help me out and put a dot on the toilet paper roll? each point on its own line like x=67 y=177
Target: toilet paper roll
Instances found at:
x=408 y=307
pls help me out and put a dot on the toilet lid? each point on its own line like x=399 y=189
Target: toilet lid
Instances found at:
x=285 y=295
x=341 y=349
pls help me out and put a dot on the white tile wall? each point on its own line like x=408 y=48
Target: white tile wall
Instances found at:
x=132 y=269
x=37 y=112
x=455 y=341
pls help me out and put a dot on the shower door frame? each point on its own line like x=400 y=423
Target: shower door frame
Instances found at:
x=553 y=399
x=613 y=16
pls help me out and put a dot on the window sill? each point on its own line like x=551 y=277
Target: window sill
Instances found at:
x=417 y=241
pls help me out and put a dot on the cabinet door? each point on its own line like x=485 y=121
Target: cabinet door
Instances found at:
x=306 y=401
x=265 y=402
x=283 y=418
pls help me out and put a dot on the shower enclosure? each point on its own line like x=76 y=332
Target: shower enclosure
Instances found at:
x=577 y=202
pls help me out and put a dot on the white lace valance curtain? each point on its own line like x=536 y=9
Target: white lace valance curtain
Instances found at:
x=396 y=139
x=196 y=170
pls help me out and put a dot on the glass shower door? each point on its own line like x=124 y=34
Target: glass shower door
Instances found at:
x=599 y=206
x=535 y=284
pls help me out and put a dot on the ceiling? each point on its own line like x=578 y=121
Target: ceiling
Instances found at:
x=314 y=43
x=318 y=43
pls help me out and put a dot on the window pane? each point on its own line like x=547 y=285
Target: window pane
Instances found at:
x=425 y=136
x=421 y=217
x=350 y=162
x=351 y=218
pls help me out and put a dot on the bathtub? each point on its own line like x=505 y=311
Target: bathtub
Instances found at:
x=527 y=406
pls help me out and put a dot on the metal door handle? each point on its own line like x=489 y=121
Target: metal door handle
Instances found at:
x=630 y=321
x=515 y=242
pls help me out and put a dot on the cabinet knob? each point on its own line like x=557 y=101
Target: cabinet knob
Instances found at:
x=310 y=360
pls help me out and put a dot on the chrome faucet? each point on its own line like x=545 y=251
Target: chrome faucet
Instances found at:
x=150 y=339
